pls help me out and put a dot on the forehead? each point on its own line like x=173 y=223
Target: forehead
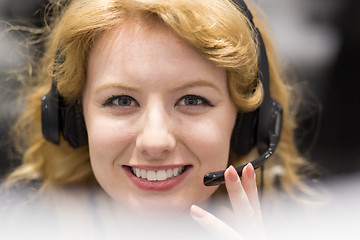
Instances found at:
x=139 y=48
x=137 y=36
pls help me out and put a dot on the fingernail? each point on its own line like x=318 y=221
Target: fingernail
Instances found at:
x=249 y=171
x=233 y=176
x=197 y=212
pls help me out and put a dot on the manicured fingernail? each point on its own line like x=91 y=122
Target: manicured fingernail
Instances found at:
x=233 y=176
x=249 y=170
x=197 y=212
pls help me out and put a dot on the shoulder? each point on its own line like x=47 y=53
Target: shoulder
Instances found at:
x=21 y=208
x=19 y=199
x=19 y=192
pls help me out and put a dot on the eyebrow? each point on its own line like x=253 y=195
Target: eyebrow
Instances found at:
x=198 y=83
x=116 y=85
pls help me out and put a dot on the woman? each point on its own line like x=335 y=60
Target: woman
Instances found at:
x=160 y=86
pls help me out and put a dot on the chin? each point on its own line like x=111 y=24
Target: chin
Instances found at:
x=158 y=208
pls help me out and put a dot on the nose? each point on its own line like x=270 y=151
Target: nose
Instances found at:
x=156 y=139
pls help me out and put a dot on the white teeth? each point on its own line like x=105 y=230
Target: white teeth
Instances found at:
x=151 y=175
x=169 y=173
x=143 y=173
x=160 y=175
x=138 y=172
x=176 y=171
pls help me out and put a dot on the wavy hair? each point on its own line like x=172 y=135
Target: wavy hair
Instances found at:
x=217 y=28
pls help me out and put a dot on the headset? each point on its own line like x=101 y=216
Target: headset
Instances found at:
x=58 y=117
x=259 y=128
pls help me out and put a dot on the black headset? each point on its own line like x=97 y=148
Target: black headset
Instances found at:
x=259 y=128
x=57 y=116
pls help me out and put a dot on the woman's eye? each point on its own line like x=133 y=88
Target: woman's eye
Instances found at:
x=121 y=101
x=193 y=100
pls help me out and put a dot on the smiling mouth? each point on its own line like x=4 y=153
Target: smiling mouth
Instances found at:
x=159 y=175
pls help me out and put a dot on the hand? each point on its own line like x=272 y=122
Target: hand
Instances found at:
x=246 y=217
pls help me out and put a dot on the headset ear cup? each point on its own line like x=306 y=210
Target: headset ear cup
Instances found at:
x=73 y=125
x=50 y=115
x=270 y=121
x=243 y=137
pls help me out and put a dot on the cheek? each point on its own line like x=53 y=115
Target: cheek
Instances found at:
x=107 y=137
x=210 y=139
x=107 y=141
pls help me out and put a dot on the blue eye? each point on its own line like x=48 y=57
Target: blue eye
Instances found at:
x=121 y=101
x=193 y=100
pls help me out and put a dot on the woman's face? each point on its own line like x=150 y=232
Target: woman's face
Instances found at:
x=158 y=115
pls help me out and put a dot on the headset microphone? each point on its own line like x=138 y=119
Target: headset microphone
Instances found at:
x=261 y=127
x=216 y=178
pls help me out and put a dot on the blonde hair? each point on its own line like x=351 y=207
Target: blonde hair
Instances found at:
x=216 y=28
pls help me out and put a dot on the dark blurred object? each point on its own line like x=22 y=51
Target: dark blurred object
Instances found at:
x=23 y=11
x=338 y=145
x=8 y=158
x=14 y=54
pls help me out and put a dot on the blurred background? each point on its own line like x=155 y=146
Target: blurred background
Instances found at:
x=318 y=40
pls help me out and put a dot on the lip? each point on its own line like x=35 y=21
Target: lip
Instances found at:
x=158 y=186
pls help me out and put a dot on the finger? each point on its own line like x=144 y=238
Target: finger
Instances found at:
x=238 y=198
x=227 y=215
x=214 y=225
x=248 y=181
